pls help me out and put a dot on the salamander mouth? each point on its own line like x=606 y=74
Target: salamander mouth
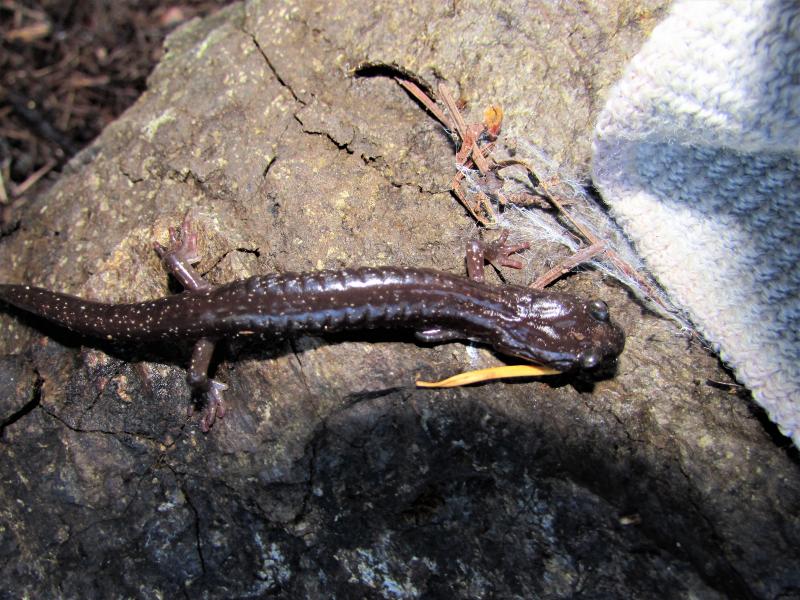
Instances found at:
x=592 y=359
x=560 y=363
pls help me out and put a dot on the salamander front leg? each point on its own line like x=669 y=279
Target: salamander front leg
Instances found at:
x=181 y=255
x=497 y=253
x=198 y=381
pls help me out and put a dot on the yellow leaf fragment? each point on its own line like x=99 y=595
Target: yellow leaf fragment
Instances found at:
x=489 y=374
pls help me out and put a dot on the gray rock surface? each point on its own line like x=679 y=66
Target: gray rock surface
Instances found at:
x=332 y=475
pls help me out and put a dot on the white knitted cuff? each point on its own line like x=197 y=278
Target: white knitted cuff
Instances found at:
x=697 y=152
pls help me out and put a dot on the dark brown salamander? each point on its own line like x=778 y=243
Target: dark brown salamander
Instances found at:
x=547 y=328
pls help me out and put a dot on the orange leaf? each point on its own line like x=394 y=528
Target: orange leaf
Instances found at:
x=489 y=374
x=493 y=119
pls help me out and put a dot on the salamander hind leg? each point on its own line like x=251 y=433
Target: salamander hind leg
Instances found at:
x=199 y=382
x=181 y=255
x=498 y=253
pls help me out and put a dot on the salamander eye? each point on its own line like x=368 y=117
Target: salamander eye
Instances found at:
x=589 y=359
x=599 y=310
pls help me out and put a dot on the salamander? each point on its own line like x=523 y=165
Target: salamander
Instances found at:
x=548 y=328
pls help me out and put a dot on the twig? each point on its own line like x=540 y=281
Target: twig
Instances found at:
x=581 y=256
x=413 y=89
x=471 y=152
x=23 y=187
x=611 y=255
x=3 y=194
x=37 y=121
x=490 y=220
x=469 y=134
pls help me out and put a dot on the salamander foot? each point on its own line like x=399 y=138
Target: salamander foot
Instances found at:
x=215 y=406
x=182 y=242
x=498 y=253
x=181 y=255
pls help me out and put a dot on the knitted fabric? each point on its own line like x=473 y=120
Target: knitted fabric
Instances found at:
x=697 y=152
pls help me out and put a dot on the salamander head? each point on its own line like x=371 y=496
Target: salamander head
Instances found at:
x=560 y=331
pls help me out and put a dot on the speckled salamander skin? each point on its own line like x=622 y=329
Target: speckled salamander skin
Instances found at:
x=548 y=328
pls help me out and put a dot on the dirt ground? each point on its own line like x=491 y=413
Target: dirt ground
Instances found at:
x=68 y=69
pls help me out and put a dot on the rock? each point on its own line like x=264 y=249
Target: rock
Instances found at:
x=332 y=475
